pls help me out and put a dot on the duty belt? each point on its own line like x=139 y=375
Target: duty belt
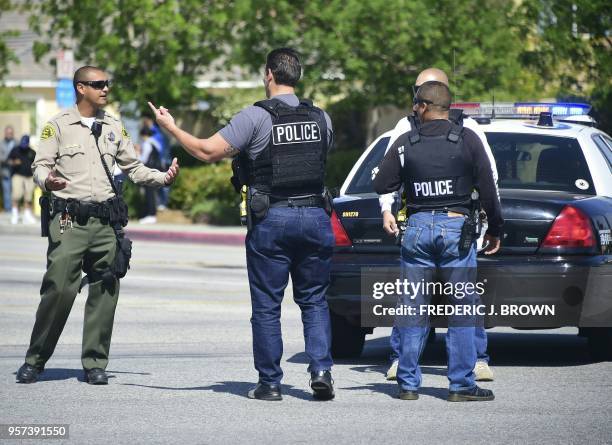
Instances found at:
x=80 y=210
x=298 y=201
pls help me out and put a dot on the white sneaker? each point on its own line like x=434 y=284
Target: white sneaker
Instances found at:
x=148 y=220
x=482 y=372
x=392 y=371
x=14 y=216
x=28 y=218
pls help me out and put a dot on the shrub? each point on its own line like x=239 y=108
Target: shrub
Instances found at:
x=206 y=194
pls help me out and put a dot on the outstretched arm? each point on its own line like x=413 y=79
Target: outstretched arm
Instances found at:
x=210 y=149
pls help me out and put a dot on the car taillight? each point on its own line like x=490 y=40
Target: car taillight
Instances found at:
x=342 y=239
x=571 y=228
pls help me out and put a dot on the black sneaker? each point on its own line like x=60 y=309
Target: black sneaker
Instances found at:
x=476 y=394
x=322 y=385
x=406 y=394
x=265 y=392
x=96 y=376
x=28 y=374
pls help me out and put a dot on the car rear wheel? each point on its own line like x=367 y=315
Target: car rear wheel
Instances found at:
x=600 y=343
x=347 y=339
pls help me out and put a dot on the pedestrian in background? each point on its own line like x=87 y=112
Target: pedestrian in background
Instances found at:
x=150 y=156
x=6 y=146
x=22 y=185
x=163 y=193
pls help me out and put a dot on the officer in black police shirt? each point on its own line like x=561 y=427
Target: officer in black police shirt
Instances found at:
x=444 y=164
x=281 y=146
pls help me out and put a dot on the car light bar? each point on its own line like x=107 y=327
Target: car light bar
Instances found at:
x=518 y=109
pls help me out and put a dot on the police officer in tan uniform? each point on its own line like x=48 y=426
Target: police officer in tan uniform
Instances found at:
x=83 y=219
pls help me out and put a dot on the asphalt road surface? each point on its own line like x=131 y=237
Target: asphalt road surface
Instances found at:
x=181 y=366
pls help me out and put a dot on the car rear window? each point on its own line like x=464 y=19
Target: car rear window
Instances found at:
x=605 y=147
x=532 y=161
x=362 y=181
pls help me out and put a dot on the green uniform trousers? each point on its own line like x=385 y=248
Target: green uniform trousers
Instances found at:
x=87 y=247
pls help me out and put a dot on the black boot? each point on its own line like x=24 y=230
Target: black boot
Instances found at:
x=265 y=392
x=322 y=385
x=28 y=374
x=96 y=376
x=476 y=394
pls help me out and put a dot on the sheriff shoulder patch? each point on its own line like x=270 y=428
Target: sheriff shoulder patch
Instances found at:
x=124 y=133
x=47 y=132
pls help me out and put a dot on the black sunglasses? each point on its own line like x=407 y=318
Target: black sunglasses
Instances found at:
x=96 y=84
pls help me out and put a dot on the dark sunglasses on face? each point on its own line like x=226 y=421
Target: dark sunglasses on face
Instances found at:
x=96 y=84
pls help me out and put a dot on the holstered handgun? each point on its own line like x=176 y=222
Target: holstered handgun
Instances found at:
x=45 y=215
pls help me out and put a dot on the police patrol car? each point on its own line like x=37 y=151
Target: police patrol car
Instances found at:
x=555 y=185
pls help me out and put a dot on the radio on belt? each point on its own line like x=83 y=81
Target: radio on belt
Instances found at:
x=295 y=133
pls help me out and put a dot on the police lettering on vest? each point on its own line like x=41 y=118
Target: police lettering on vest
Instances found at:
x=293 y=163
x=295 y=133
x=434 y=188
x=437 y=173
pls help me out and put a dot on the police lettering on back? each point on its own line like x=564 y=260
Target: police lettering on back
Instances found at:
x=296 y=133
x=434 y=188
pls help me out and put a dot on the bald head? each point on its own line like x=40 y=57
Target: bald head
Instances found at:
x=431 y=74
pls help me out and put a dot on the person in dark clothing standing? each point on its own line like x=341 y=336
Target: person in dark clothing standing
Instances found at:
x=22 y=185
x=150 y=155
x=445 y=170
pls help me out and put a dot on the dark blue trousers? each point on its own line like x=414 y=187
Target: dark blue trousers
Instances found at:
x=296 y=241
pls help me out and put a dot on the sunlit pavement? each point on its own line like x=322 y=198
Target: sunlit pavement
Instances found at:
x=181 y=366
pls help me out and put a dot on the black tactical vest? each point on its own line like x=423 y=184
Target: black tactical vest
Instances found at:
x=437 y=172
x=293 y=163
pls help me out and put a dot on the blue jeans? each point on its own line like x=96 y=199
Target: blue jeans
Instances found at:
x=431 y=241
x=480 y=340
x=296 y=241
x=6 y=193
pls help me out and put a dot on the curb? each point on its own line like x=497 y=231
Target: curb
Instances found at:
x=226 y=239
x=223 y=239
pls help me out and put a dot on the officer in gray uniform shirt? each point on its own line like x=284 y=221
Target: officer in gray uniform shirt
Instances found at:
x=280 y=147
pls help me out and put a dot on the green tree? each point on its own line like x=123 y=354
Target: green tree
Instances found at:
x=153 y=50
x=6 y=54
x=571 y=49
x=376 y=48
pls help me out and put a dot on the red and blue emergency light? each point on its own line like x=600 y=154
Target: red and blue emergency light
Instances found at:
x=518 y=109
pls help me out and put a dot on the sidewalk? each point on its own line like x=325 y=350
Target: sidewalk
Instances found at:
x=185 y=233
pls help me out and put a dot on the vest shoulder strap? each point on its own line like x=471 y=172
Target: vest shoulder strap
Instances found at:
x=456 y=131
x=270 y=105
x=456 y=115
x=413 y=135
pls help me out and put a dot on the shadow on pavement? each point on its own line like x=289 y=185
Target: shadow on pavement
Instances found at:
x=518 y=348
x=52 y=374
x=231 y=387
x=391 y=389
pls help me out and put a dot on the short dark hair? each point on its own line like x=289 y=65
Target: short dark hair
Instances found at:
x=146 y=131
x=285 y=66
x=81 y=74
x=436 y=94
